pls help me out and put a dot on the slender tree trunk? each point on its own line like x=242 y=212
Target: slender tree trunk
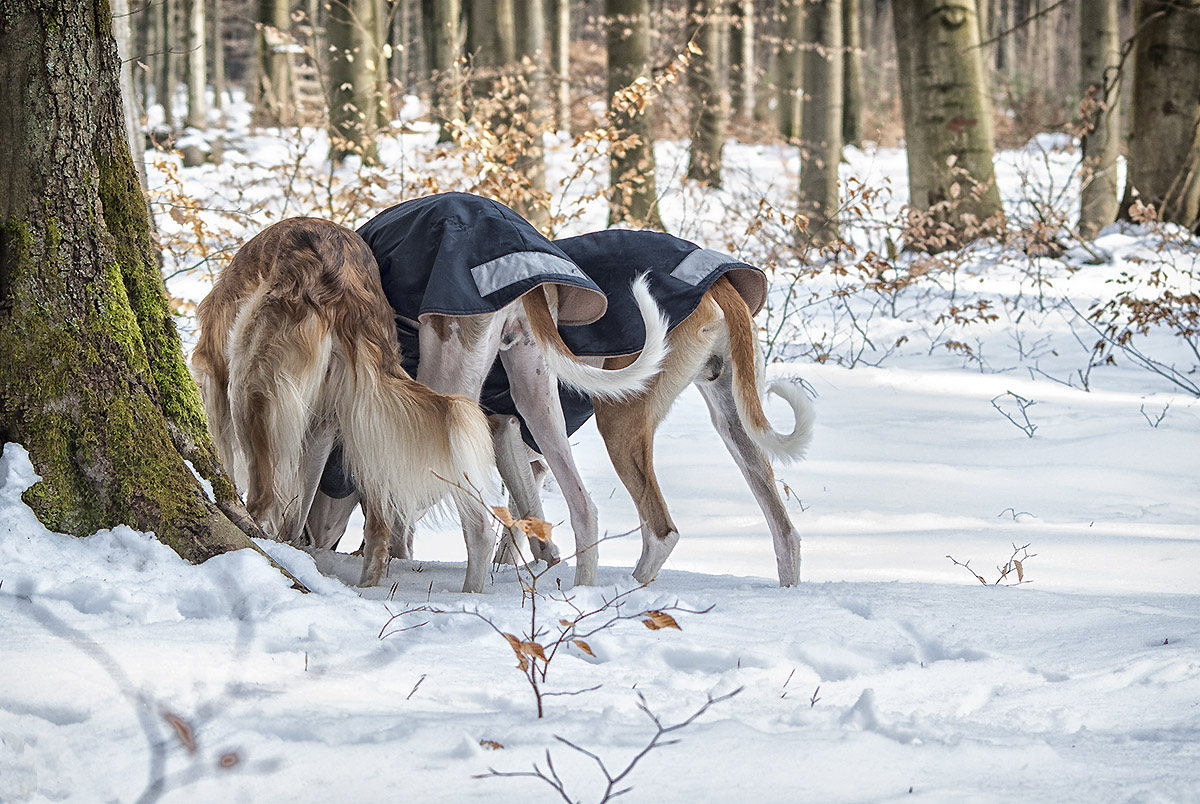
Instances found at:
x=164 y=64
x=537 y=114
x=1164 y=145
x=92 y=377
x=134 y=134
x=790 y=67
x=560 y=61
x=400 y=37
x=1099 y=56
x=220 y=85
x=272 y=86
x=947 y=117
x=821 y=150
x=354 y=100
x=197 y=67
x=707 y=101
x=852 y=79
x=634 y=194
x=444 y=46
x=743 y=72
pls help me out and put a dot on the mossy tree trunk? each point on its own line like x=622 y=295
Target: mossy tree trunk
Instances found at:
x=1164 y=145
x=92 y=377
x=634 y=191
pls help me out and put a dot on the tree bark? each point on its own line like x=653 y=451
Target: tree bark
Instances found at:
x=354 y=102
x=947 y=118
x=218 y=53
x=272 y=88
x=444 y=45
x=705 y=98
x=821 y=150
x=743 y=72
x=536 y=115
x=634 y=194
x=134 y=132
x=197 y=67
x=852 y=79
x=560 y=61
x=1164 y=145
x=92 y=377
x=1100 y=57
x=790 y=65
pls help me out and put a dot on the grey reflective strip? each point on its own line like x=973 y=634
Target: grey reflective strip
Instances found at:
x=699 y=264
x=512 y=268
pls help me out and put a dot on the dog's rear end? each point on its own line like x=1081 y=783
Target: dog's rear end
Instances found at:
x=298 y=346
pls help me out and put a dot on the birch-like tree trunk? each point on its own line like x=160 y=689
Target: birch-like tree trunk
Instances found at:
x=705 y=96
x=197 y=66
x=821 y=149
x=947 y=117
x=92 y=377
x=1099 y=57
x=1164 y=144
x=633 y=194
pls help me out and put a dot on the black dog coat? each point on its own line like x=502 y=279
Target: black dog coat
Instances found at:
x=460 y=254
x=679 y=273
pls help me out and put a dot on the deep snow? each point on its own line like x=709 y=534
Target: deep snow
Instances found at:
x=889 y=674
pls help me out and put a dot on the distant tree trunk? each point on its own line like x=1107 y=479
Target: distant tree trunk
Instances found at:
x=92 y=377
x=1164 y=146
x=129 y=103
x=218 y=53
x=401 y=38
x=272 y=86
x=353 y=81
x=743 y=73
x=166 y=77
x=705 y=98
x=947 y=116
x=821 y=150
x=444 y=46
x=537 y=114
x=197 y=67
x=790 y=67
x=852 y=80
x=1099 y=56
x=634 y=194
x=560 y=61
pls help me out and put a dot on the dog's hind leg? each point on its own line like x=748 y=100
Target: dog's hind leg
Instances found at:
x=535 y=392
x=513 y=461
x=718 y=394
x=327 y=518
x=376 y=535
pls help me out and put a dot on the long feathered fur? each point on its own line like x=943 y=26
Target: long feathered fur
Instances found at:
x=297 y=340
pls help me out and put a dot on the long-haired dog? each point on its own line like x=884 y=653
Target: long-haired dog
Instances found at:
x=710 y=299
x=298 y=347
x=470 y=281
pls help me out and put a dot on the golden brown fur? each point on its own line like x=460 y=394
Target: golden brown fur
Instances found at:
x=297 y=346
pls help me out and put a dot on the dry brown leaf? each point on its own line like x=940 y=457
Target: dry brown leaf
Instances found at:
x=533 y=649
x=656 y=619
x=538 y=528
x=490 y=745
x=516 y=645
x=504 y=515
x=1020 y=570
x=183 y=730
x=583 y=646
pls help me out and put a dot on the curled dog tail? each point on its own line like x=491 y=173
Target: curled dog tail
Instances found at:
x=747 y=362
x=614 y=384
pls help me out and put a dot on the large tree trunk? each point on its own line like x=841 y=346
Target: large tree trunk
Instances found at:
x=821 y=150
x=706 y=100
x=947 y=119
x=790 y=66
x=354 y=62
x=634 y=194
x=1099 y=56
x=1164 y=146
x=92 y=377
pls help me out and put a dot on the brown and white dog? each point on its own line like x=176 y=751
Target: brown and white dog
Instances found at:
x=469 y=281
x=298 y=346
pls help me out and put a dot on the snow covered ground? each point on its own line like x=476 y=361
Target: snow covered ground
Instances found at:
x=889 y=674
